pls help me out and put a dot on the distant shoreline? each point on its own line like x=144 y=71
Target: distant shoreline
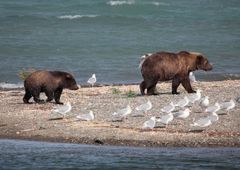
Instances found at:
x=37 y=122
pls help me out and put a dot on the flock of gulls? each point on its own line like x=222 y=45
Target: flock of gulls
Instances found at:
x=174 y=110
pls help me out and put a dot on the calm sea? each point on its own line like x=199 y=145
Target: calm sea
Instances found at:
x=108 y=37
x=16 y=154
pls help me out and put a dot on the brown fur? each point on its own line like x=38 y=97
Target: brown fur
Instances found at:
x=51 y=83
x=163 y=66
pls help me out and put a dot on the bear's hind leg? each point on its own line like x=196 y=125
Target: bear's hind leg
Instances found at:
x=142 y=88
x=175 y=83
x=36 y=96
x=49 y=95
x=57 y=95
x=151 y=88
x=27 y=96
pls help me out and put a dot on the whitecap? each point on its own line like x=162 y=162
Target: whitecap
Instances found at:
x=114 y=3
x=76 y=16
x=159 y=3
x=4 y=85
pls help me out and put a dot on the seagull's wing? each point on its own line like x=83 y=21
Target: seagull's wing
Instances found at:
x=202 y=122
x=164 y=119
x=148 y=124
x=84 y=117
x=62 y=109
x=141 y=107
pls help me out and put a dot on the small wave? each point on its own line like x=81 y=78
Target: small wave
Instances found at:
x=114 y=3
x=234 y=75
x=76 y=16
x=4 y=85
x=159 y=3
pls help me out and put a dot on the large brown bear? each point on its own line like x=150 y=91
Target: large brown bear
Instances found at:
x=50 y=82
x=163 y=66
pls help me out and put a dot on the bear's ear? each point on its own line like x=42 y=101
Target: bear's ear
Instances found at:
x=68 y=76
x=200 y=60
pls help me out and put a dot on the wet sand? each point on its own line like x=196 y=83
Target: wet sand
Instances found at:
x=38 y=122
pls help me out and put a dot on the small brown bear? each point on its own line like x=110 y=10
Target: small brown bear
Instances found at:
x=164 y=66
x=51 y=83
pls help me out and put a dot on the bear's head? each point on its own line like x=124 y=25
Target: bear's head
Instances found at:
x=70 y=82
x=202 y=63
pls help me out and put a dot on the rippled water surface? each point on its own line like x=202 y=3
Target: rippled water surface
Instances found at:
x=17 y=154
x=108 y=37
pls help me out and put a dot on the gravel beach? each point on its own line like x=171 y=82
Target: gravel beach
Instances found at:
x=38 y=122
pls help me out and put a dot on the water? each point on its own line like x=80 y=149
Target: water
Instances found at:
x=17 y=154
x=108 y=37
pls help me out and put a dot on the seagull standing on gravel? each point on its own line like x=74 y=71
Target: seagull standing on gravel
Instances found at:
x=149 y=124
x=92 y=80
x=213 y=109
x=143 y=58
x=183 y=102
x=169 y=108
x=195 y=97
x=192 y=77
x=86 y=117
x=166 y=119
x=183 y=114
x=213 y=117
x=63 y=109
x=228 y=105
x=123 y=112
x=204 y=102
x=202 y=122
x=144 y=107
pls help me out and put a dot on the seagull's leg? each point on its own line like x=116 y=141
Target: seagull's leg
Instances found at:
x=123 y=119
x=227 y=112
x=180 y=122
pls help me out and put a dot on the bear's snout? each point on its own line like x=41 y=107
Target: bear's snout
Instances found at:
x=75 y=87
x=209 y=67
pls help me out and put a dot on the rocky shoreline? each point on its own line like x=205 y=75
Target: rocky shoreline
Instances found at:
x=38 y=122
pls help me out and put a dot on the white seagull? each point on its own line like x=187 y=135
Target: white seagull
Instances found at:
x=63 y=109
x=143 y=58
x=213 y=109
x=183 y=102
x=202 y=122
x=227 y=105
x=169 y=108
x=213 y=117
x=183 y=114
x=123 y=112
x=144 y=107
x=166 y=119
x=192 y=77
x=92 y=80
x=195 y=97
x=87 y=117
x=149 y=124
x=204 y=102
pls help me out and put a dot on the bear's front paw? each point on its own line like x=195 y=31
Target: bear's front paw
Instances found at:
x=59 y=103
x=174 y=92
